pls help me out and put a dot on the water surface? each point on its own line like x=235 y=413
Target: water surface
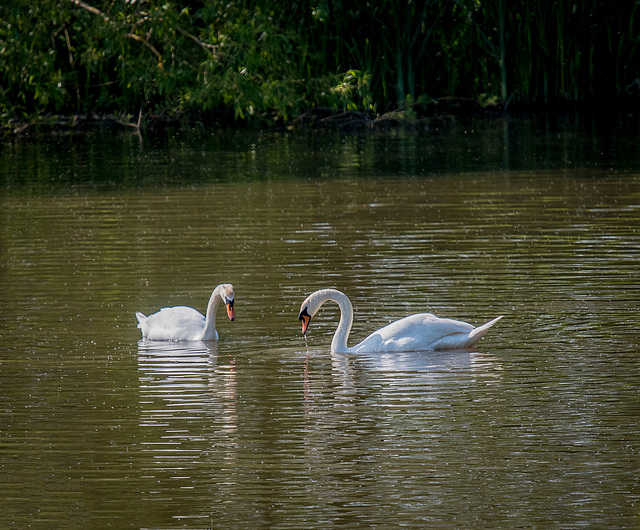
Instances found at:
x=537 y=427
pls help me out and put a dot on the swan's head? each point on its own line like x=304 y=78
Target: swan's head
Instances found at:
x=305 y=318
x=226 y=293
x=308 y=309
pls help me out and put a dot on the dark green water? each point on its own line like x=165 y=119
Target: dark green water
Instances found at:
x=538 y=427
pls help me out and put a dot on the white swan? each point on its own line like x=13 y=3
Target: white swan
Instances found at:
x=420 y=332
x=185 y=323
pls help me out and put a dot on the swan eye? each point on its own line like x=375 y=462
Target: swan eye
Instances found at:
x=228 y=302
x=304 y=313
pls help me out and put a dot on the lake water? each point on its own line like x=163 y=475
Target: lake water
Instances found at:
x=538 y=427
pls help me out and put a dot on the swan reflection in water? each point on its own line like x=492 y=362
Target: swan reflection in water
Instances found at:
x=425 y=367
x=393 y=401
x=183 y=381
x=417 y=376
x=426 y=363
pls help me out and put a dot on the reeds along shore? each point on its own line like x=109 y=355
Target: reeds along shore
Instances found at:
x=248 y=61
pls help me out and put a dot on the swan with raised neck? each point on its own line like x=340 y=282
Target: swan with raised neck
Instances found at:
x=419 y=332
x=186 y=323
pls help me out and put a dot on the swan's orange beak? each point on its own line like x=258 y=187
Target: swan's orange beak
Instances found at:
x=305 y=324
x=231 y=312
x=305 y=319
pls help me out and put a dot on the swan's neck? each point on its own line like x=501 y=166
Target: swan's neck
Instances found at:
x=209 y=332
x=339 y=342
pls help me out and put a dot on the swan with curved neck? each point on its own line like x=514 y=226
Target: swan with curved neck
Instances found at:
x=186 y=323
x=419 y=332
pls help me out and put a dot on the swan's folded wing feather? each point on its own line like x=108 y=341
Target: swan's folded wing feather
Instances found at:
x=174 y=323
x=419 y=332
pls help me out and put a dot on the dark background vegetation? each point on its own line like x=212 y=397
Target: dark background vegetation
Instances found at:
x=271 y=62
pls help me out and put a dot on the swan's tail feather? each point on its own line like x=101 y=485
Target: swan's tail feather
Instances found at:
x=479 y=332
x=141 y=318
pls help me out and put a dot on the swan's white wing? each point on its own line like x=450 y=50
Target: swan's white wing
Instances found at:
x=464 y=339
x=419 y=332
x=174 y=323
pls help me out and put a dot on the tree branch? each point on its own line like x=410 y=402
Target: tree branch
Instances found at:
x=211 y=48
x=89 y=8
x=147 y=44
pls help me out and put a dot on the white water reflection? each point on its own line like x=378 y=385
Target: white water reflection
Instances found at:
x=431 y=363
x=428 y=369
x=183 y=388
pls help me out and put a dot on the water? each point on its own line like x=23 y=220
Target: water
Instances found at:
x=537 y=427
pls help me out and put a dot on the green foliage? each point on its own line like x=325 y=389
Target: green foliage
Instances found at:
x=267 y=61
x=353 y=92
